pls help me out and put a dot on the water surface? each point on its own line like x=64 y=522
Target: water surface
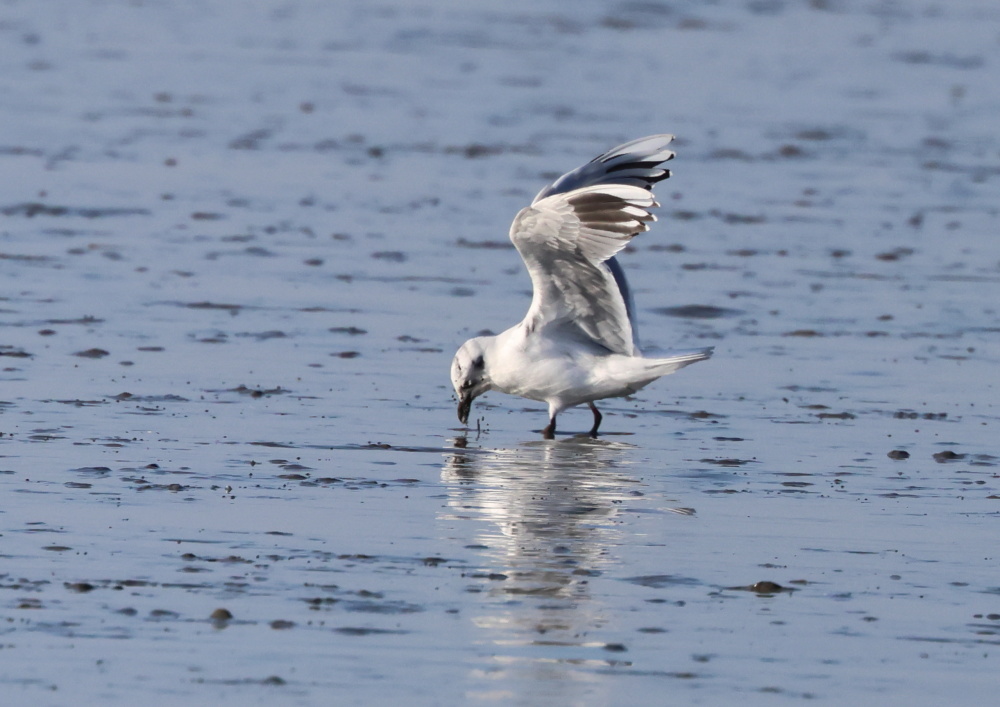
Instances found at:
x=241 y=244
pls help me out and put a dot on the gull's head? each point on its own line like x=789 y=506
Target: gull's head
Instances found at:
x=468 y=375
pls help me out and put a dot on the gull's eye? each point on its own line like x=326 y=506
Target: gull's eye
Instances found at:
x=478 y=363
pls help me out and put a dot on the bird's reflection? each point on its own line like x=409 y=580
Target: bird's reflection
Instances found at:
x=543 y=520
x=551 y=505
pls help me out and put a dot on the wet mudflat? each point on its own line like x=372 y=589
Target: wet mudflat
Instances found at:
x=241 y=243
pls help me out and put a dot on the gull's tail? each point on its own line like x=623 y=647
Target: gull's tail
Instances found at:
x=633 y=373
x=659 y=367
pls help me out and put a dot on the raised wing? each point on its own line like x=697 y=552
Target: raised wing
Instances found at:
x=566 y=240
x=636 y=163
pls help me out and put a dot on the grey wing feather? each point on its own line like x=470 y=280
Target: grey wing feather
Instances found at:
x=636 y=163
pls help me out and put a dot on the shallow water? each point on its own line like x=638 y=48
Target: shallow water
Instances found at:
x=242 y=244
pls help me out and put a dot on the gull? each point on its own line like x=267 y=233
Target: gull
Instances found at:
x=578 y=342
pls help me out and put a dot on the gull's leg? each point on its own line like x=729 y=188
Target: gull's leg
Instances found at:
x=597 y=419
x=550 y=430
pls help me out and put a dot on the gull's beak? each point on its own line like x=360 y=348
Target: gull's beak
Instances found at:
x=464 y=406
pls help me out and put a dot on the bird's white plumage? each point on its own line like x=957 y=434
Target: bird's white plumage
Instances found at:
x=577 y=343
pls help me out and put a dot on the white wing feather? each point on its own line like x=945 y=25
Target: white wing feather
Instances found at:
x=565 y=240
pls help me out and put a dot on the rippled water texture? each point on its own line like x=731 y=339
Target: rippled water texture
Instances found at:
x=241 y=241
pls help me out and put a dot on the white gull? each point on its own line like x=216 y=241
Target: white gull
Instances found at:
x=578 y=341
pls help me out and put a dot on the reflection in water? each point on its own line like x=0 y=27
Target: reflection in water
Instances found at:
x=551 y=512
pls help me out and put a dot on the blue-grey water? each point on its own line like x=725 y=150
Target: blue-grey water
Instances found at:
x=240 y=242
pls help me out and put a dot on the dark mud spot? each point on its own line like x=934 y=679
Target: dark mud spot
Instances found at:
x=912 y=415
x=948 y=456
x=92 y=353
x=14 y=352
x=740 y=219
x=731 y=153
x=476 y=150
x=316 y=603
x=251 y=140
x=158 y=614
x=361 y=631
x=168 y=398
x=728 y=462
x=263 y=335
x=763 y=588
x=947 y=60
x=381 y=607
x=351 y=330
x=898 y=454
x=390 y=256
x=660 y=581
x=814 y=134
x=231 y=308
x=79 y=587
x=697 y=311
x=894 y=254
x=254 y=392
x=102 y=470
x=485 y=245
x=32 y=209
x=836 y=415
x=791 y=152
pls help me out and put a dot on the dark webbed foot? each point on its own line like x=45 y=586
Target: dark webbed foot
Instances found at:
x=597 y=419
x=550 y=430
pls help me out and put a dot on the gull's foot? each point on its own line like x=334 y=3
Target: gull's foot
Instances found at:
x=550 y=430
